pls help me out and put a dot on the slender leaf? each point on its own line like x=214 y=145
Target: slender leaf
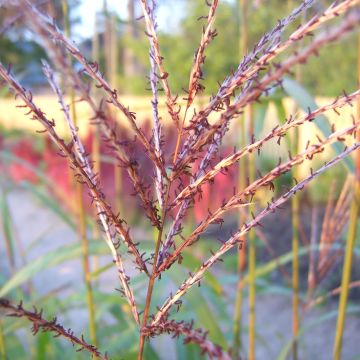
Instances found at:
x=50 y=259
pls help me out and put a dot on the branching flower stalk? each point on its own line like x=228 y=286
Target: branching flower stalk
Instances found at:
x=190 y=335
x=40 y=324
x=254 y=93
x=234 y=240
x=241 y=265
x=277 y=133
x=238 y=200
x=171 y=101
x=244 y=75
x=80 y=154
x=96 y=142
x=76 y=155
x=101 y=118
x=194 y=88
x=92 y=70
x=295 y=222
x=154 y=79
x=177 y=183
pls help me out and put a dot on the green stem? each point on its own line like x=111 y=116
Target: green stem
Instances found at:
x=237 y=342
x=86 y=264
x=96 y=143
x=295 y=273
x=346 y=272
x=157 y=246
x=350 y=242
x=252 y=254
x=237 y=326
x=81 y=211
x=152 y=278
x=295 y=219
x=3 y=355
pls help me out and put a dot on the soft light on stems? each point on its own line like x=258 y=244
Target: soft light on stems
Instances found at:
x=350 y=242
x=96 y=143
x=81 y=209
x=346 y=273
x=110 y=54
x=159 y=180
x=295 y=222
x=237 y=342
x=251 y=253
x=3 y=355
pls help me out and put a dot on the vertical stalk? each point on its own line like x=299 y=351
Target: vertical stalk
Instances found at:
x=350 y=243
x=3 y=355
x=295 y=222
x=152 y=276
x=96 y=139
x=111 y=72
x=81 y=209
x=237 y=328
x=96 y=143
x=113 y=81
x=251 y=251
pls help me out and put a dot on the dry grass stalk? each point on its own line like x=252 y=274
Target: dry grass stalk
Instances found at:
x=39 y=323
x=191 y=335
x=202 y=141
x=233 y=241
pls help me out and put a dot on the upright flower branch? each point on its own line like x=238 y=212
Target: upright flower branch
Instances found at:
x=201 y=139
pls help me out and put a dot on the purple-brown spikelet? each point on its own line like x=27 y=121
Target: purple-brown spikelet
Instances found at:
x=179 y=176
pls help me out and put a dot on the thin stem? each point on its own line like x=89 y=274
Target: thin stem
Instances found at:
x=157 y=246
x=96 y=142
x=350 y=243
x=295 y=268
x=243 y=47
x=152 y=277
x=295 y=221
x=3 y=353
x=86 y=263
x=111 y=64
x=156 y=254
x=346 y=272
x=81 y=208
x=252 y=252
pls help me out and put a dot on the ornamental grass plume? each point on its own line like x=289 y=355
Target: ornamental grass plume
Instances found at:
x=180 y=175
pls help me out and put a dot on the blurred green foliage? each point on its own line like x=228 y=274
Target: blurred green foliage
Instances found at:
x=178 y=44
x=320 y=76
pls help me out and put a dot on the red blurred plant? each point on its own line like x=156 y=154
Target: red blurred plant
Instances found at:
x=172 y=176
x=24 y=150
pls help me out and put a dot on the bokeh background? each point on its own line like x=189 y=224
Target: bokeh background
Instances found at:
x=40 y=249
